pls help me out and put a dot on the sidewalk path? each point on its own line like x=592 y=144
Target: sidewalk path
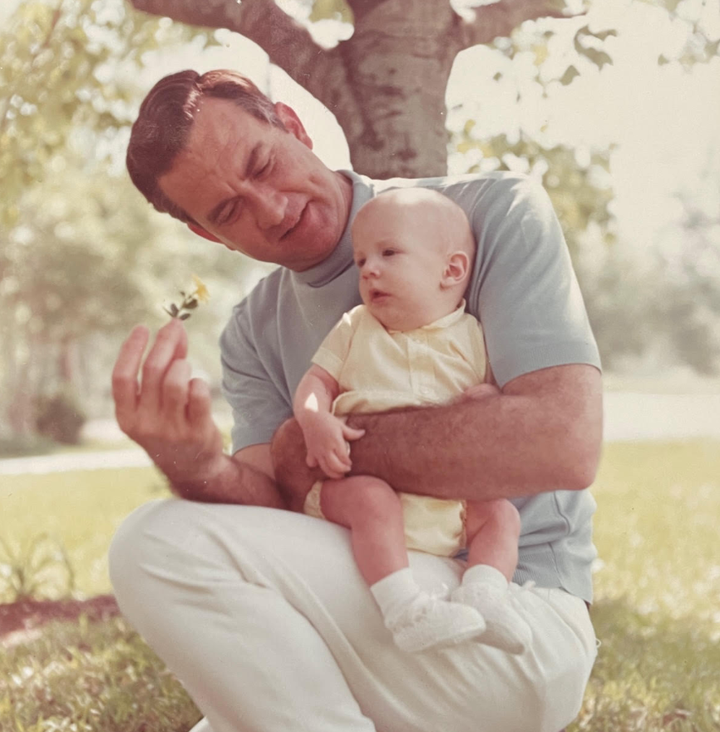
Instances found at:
x=39 y=464
x=628 y=416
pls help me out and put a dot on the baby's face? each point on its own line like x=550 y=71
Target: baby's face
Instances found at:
x=401 y=259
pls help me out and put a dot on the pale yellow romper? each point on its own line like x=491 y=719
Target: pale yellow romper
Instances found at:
x=377 y=370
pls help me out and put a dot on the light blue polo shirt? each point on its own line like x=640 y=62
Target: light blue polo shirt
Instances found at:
x=523 y=290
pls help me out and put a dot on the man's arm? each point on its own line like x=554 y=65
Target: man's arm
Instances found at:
x=170 y=417
x=542 y=433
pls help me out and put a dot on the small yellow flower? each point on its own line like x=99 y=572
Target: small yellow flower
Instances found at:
x=201 y=291
x=189 y=301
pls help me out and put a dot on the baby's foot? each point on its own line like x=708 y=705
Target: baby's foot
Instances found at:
x=428 y=622
x=506 y=629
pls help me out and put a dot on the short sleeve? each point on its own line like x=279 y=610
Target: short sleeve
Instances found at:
x=257 y=402
x=334 y=349
x=524 y=289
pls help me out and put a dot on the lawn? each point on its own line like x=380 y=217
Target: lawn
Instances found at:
x=657 y=609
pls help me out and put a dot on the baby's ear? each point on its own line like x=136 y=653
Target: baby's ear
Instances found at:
x=456 y=269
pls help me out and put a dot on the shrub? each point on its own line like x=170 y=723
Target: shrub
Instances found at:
x=39 y=570
x=60 y=417
x=22 y=446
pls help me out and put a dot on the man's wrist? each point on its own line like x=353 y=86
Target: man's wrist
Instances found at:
x=195 y=483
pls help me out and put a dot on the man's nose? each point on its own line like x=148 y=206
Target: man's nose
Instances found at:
x=270 y=207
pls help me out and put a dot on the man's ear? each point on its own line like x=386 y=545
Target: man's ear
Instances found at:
x=197 y=229
x=292 y=123
x=456 y=269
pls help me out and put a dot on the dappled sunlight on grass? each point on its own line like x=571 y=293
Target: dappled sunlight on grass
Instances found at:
x=80 y=510
x=95 y=676
x=657 y=610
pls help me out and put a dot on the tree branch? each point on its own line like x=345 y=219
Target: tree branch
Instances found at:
x=289 y=46
x=285 y=41
x=499 y=19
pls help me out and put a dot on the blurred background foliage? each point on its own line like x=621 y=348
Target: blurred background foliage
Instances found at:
x=83 y=257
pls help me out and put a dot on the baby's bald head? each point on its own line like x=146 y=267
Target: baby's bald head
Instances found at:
x=439 y=221
x=414 y=249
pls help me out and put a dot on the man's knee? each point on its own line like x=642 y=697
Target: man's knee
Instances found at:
x=131 y=549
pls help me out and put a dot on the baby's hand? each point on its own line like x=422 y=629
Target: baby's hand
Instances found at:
x=327 y=442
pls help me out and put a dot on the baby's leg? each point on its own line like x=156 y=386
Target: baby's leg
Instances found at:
x=372 y=511
x=493 y=530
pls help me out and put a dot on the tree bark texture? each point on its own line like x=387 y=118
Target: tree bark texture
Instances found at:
x=386 y=84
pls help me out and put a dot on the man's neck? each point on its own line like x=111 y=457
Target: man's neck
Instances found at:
x=346 y=191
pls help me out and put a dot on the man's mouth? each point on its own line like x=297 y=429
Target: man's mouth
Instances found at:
x=295 y=225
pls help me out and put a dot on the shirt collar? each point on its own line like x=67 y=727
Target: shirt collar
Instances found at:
x=444 y=322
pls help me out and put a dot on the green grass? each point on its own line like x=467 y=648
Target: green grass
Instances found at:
x=657 y=608
x=84 y=677
x=80 y=510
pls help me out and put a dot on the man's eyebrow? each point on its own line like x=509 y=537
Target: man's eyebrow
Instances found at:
x=251 y=161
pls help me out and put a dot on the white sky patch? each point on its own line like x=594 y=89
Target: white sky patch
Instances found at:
x=663 y=121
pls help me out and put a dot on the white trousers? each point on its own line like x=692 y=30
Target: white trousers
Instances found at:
x=264 y=617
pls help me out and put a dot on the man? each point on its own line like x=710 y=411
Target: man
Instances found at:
x=261 y=612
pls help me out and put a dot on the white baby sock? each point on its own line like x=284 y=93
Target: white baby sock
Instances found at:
x=395 y=592
x=487 y=575
x=419 y=621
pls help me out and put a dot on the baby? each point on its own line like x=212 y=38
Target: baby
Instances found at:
x=410 y=343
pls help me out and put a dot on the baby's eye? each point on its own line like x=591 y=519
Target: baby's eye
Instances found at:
x=359 y=262
x=388 y=252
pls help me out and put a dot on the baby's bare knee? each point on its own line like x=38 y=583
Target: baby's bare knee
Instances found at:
x=374 y=498
x=499 y=513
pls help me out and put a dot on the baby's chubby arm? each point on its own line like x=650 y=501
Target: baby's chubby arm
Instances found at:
x=325 y=435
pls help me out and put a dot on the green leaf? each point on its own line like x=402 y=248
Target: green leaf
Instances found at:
x=599 y=58
x=570 y=73
x=331 y=10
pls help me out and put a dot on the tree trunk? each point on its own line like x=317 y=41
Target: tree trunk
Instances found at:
x=398 y=63
x=21 y=410
x=386 y=84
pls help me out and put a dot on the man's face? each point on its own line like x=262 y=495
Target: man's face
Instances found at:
x=257 y=188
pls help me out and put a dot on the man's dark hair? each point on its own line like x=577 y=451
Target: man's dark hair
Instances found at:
x=165 y=119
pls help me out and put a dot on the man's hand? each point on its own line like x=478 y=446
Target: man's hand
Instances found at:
x=170 y=414
x=289 y=461
x=327 y=441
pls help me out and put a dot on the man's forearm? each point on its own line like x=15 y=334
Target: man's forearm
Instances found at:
x=541 y=434
x=233 y=481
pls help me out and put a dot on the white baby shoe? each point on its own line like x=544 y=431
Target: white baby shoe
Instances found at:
x=506 y=629
x=429 y=622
